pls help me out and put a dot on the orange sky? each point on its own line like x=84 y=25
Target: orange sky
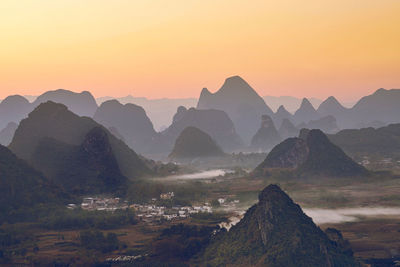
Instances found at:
x=171 y=48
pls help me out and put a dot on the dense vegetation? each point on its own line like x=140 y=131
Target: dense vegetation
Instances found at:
x=275 y=232
x=65 y=219
x=23 y=189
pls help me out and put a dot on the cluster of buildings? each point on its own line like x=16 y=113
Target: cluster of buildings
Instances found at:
x=107 y=204
x=123 y=258
x=146 y=212
x=153 y=213
x=380 y=163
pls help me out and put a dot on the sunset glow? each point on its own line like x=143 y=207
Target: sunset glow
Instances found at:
x=346 y=48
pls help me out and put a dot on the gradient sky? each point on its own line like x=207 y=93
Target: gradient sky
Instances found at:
x=170 y=48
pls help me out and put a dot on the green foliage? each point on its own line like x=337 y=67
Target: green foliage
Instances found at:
x=182 y=241
x=65 y=219
x=96 y=240
x=274 y=232
x=22 y=189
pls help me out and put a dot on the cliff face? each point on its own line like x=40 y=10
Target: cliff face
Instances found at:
x=276 y=232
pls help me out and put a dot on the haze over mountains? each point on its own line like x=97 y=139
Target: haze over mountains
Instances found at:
x=310 y=154
x=236 y=99
x=240 y=102
x=51 y=121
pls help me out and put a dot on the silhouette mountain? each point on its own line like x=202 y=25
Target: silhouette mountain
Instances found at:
x=267 y=136
x=194 y=143
x=326 y=124
x=287 y=129
x=384 y=141
x=383 y=105
x=130 y=121
x=213 y=122
x=331 y=106
x=7 y=133
x=13 y=109
x=305 y=113
x=88 y=168
x=241 y=102
x=313 y=154
x=55 y=121
x=160 y=111
x=22 y=187
x=281 y=114
x=82 y=104
x=276 y=232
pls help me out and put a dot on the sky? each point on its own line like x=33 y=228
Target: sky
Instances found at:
x=174 y=48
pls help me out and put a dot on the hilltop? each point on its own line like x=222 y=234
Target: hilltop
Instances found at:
x=194 y=143
x=313 y=154
x=276 y=232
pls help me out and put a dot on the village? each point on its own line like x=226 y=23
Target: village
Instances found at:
x=149 y=213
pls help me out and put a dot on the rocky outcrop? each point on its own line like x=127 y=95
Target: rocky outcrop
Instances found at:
x=276 y=232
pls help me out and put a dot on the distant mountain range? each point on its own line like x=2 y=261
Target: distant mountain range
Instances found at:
x=130 y=121
x=291 y=103
x=215 y=123
x=140 y=125
x=160 y=111
x=240 y=101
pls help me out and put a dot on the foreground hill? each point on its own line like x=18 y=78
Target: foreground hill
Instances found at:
x=240 y=101
x=82 y=104
x=55 y=121
x=313 y=154
x=276 y=232
x=22 y=187
x=194 y=143
x=130 y=121
x=215 y=123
